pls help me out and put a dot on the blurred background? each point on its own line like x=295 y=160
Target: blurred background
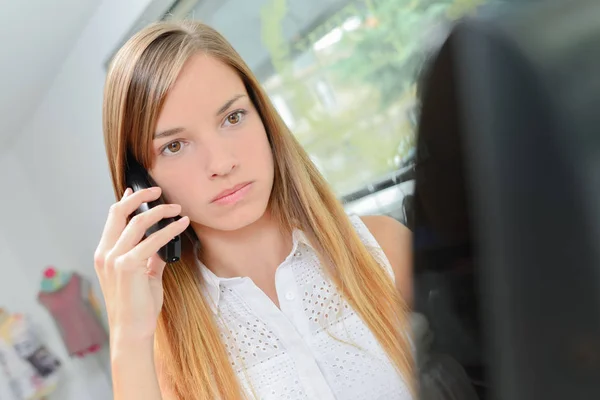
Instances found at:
x=341 y=73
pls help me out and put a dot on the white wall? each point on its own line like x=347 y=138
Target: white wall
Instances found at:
x=40 y=33
x=55 y=186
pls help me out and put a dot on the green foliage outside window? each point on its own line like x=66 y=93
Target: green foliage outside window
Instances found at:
x=371 y=72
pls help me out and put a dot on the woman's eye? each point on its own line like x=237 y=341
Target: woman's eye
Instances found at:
x=173 y=147
x=234 y=118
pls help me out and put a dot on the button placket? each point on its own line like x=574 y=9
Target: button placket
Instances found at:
x=290 y=294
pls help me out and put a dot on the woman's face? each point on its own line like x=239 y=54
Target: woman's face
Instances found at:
x=212 y=154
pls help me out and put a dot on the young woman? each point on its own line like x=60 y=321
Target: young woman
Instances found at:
x=279 y=294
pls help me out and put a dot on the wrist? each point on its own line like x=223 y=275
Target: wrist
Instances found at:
x=124 y=333
x=133 y=368
x=128 y=343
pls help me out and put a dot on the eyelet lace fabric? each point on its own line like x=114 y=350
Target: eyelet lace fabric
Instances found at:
x=314 y=346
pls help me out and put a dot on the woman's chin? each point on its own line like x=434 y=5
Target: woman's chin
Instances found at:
x=235 y=219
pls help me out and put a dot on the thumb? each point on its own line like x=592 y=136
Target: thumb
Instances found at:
x=155 y=266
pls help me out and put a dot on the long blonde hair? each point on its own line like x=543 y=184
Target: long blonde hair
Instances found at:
x=187 y=338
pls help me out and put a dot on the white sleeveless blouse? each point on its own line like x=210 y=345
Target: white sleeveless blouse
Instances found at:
x=287 y=352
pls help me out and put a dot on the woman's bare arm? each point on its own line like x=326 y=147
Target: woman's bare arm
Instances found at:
x=396 y=242
x=133 y=371
x=163 y=380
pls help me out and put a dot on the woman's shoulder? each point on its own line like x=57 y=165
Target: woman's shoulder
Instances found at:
x=395 y=240
x=385 y=229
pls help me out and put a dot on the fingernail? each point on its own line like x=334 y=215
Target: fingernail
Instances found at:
x=155 y=189
x=126 y=193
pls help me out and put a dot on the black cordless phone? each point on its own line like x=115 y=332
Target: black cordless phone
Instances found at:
x=137 y=179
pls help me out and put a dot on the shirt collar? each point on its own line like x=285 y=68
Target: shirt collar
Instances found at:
x=212 y=283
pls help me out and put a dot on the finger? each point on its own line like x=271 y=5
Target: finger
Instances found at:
x=120 y=211
x=107 y=223
x=137 y=227
x=156 y=266
x=149 y=246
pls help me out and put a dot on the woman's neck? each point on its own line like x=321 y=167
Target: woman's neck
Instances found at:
x=254 y=251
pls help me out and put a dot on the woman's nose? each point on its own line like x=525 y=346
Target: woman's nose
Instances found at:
x=221 y=161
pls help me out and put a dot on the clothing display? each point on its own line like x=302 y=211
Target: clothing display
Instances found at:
x=54 y=279
x=76 y=314
x=289 y=352
x=88 y=294
x=31 y=369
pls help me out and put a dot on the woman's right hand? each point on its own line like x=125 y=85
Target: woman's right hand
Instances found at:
x=129 y=268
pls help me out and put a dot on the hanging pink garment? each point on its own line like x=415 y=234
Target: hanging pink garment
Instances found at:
x=75 y=317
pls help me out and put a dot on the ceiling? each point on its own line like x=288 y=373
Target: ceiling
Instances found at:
x=37 y=37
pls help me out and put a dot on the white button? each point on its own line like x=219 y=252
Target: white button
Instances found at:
x=289 y=295
x=297 y=254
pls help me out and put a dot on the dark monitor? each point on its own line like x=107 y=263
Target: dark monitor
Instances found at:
x=507 y=200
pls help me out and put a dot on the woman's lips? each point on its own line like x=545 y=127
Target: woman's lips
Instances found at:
x=233 y=194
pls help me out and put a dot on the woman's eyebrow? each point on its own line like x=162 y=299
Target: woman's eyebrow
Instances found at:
x=168 y=132
x=229 y=103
